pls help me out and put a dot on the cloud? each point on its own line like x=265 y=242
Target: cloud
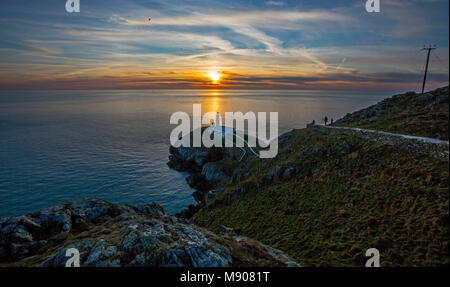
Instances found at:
x=258 y=45
x=176 y=79
x=245 y=23
x=274 y=3
x=262 y=17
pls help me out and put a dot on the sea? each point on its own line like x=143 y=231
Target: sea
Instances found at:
x=58 y=146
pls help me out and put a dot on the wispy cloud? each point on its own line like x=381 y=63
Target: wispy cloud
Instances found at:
x=274 y=3
x=278 y=44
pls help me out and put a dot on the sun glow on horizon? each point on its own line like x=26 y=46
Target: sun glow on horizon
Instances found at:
x=215 y=76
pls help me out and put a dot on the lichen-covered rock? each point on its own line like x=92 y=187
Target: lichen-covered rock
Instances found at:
x=160 y=244
x=209 y=169
x=57 y=218
x=110 y=235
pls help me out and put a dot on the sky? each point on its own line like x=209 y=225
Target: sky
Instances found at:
x=275 y=44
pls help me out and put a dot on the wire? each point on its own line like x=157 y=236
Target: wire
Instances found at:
x=440 y=61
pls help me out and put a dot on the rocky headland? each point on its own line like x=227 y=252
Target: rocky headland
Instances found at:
x=210 y=170
x=334 y=192
x=113 y=235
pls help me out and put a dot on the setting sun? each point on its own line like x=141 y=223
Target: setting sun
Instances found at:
x=215 y=76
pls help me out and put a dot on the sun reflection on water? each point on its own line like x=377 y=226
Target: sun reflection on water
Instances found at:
x=212 y=103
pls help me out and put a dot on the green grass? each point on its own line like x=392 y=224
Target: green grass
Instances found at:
x=349 y=193
x=410 y=114
x=432 y=124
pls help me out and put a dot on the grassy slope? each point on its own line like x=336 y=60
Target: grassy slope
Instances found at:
x=410 y=114
x=349 y=194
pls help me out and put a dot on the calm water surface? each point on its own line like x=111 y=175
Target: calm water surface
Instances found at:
x=64 y=145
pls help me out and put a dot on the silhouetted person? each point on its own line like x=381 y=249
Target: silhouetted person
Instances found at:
x=325 y=120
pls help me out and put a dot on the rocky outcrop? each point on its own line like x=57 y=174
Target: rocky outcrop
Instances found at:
x=192 y=159
x=107 y=234
x=209 y=171
x=198 y=162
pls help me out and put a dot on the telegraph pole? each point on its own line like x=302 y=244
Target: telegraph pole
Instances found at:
x=428 y=49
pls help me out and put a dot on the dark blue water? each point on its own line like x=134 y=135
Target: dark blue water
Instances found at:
x=64 y=145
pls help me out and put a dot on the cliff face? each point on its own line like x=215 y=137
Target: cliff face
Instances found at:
x=210 y=169
x=107 y=234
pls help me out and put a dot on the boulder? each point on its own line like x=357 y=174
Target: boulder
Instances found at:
x=21 y=235
x=57 y=218
x=145 y=236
